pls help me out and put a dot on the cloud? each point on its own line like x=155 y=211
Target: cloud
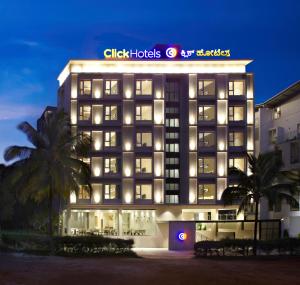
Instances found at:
x=27 y=43
x=13 y=111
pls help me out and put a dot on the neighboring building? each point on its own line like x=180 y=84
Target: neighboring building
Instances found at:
x=164 y=134
x=277 y=124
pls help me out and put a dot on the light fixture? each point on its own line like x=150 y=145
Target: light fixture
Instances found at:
x=127 y=120
x=97 y=93
x=157 y=171
x=97 y=119
x=192 y=120
x=127 y=146
x=97 y=145
x=158 y=94
x=127 y=172
x=96 y=197
x=96 y=171
x=192 y=145
x=192 y=198
x=158 y=119
x=192 y=171
x=192 y=93
x=158 y=146
x=73 y=197
x=127 y=198
x=221 y=145
x=128 y=94
x=157 y=198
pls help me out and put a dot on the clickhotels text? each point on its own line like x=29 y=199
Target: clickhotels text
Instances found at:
x=123 y=53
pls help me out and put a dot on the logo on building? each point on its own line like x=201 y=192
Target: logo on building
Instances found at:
x=171 y=52
x=182 y=236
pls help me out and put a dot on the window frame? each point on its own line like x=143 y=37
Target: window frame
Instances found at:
x=108 y=91
x=139 y=91
x=201 y=93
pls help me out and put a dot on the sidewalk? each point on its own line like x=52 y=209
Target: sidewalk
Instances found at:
x=163 y=253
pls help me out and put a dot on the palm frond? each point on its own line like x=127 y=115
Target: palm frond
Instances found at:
x=17 y=152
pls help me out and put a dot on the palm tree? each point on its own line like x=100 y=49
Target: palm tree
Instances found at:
x=51 y=168
x=261 y=183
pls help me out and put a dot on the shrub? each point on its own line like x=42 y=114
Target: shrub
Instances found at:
x=68 y=245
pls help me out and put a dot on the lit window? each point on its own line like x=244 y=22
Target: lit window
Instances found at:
x=225 y=215
x=143 y=113
x=110 y=165
x=172 y=186
x=236 y=138
x=143 y=191
x=172 y=123
x=111 y=113
x=172 y=135
x=84 y=192
x=85 y=87
x=110 y=139
x=172 y=110
x=206 y=191
x=206 y=87
x=276 y=113
x=143 y=87
x=206 y=139
x=207 y=165
x=143 y=165
x=172 y=199
x=206 y=113
x=237 y=162
x=236 y=113
x=143 y=139
x=172 y=147
x=85 y=112
x=172 y=160
x=111 y=87
x=110 y=191
x=236 y=88
x=172 y=173
x=172 y=91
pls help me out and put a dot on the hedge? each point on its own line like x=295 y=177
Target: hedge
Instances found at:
x=244 y=247
x=67 y=245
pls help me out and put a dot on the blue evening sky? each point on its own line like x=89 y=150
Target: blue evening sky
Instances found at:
x=37 y=38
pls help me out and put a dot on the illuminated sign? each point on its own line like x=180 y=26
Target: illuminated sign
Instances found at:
x=182 y=236
x=164 y=52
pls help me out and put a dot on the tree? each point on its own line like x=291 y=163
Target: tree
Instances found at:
x=51 y=167
x=261 y=183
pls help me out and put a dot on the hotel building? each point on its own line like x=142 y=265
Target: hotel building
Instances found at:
x=164 y=134
x=277 y=124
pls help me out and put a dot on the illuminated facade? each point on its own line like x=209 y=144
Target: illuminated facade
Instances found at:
x=164 y=134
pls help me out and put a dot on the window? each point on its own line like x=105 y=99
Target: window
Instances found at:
x=110 y=139
x=206 y=113
x=226 y=215
x=84 y=192
x=237 y=162
x=172 y=91
x=111 y=87
x=143 y=191
x=110 y=165
x=85 y=112
x=111 y=113
x=294 y=154
x=143 y=87
x=236 y=88
x=172 y=173
x=172 y=160
x=272 y=136
x=143 y=165
x=143 y=113
x=276 y=113
x=172 y=110
x=172 y=186
x=206 y=191
x=207 y=165
x=172 y=147
x=172 y=199
x=206 y=87
x=173 y=123
x=236 y=113
x=172 y=135
x=236 y=138
x=206 y=139
x=143 y=139
x=110 y=191
x=85 y=87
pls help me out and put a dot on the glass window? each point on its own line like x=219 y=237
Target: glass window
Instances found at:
x=143 y=165
x=143 y=191
x=206 y=191
x=111 y=113
x=206 y=113
x=276 y=113
x=143 y=87
x=111 y=87
x=207 y=165
x=110 y=191
x=143 y=139
x=236 y=138
x=110 y=165
x=236 y=113
x=85 y=112
x=85 y=87
x=84 y=192
x=172 y=110
x=206 y=87
x=172 y=160
x=237 y=162
x=173 y=123
x=272 y=136
x=172 y=173
x=172 y=199
x=143 y=113
x=172 y=186
x=172 y=135
x=110 y=139
x=224 y=215
x=206 y=139
x=172 y=91
x=236 y=88
x=172 y=147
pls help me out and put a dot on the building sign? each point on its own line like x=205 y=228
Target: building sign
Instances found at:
x=182 y=236
x=164 y=52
